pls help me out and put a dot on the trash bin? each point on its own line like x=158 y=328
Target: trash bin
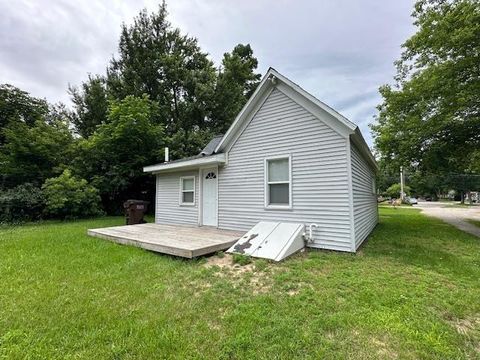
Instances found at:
x=134 y=211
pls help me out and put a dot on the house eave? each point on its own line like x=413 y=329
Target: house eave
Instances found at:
x=217 y=159
x=361 y=144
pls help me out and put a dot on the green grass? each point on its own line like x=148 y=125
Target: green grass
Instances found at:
x=241 y=259
x=390 y=206
x=411 y=292
x=474 y=222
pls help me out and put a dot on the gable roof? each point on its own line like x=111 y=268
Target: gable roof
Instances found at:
x=212 y=152
x=273 y=79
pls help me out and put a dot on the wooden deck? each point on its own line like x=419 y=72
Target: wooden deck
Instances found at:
x=178 y=240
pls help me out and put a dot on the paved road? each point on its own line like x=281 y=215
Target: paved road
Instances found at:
x=455 y=216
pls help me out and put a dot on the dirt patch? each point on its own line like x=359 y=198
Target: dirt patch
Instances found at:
x=226 y=262
x=220 y=261
x=293 y=292
x=260 y=285
x=384 y=350
x=248 y=276
x=468 y=325
x=379 y=344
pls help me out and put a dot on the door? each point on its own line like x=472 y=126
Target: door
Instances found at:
x=209 y=197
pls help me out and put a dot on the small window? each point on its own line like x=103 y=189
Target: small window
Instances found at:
x=278 y=186
x=187 y=190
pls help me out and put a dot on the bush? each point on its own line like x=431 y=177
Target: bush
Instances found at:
x=67 y=196
x=22 y=203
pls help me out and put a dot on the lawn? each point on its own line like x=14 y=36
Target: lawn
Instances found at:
x=474 y=222
x=411 y=292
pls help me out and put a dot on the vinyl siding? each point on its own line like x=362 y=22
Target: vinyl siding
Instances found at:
x=319 y=173
x=364 y=200
x=167 y=207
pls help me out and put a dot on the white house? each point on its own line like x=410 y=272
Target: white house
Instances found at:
x=287 y=157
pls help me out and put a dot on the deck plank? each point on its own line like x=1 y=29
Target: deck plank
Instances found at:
x=177 y=240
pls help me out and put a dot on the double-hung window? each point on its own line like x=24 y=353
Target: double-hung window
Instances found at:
x=278 y=182
x=187 y=190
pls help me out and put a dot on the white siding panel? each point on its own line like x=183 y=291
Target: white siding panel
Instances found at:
x=364 y=200
x=319 y=173
x=167 y=207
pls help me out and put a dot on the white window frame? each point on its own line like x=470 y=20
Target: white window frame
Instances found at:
x=181 y=191
x=267 y=183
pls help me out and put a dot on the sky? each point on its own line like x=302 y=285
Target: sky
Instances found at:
x=340 y=51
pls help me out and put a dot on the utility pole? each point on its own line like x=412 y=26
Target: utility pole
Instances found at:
x=401 y=183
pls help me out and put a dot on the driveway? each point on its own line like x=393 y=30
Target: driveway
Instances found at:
x=453 y=214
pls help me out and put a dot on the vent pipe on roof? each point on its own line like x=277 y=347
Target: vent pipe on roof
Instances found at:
x=167 y=157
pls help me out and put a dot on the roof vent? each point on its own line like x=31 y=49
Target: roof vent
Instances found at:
x=167 y=155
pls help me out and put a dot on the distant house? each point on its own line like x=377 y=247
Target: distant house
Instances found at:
x=287 y=157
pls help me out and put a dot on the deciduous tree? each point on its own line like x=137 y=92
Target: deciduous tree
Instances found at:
x=430 y=119
x=19 y=105
x=237 y=80
x=34 y=153
x=91 y=105
x=112 y=159
x=157 y=60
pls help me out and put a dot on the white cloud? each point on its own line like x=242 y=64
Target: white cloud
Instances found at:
x=340 y=51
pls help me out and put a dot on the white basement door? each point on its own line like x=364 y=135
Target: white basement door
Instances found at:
x=271 y=240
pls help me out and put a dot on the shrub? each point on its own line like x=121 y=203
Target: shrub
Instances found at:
x=21 y=203
x=68 y=196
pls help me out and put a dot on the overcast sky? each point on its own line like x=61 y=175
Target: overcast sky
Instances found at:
x=341 y=51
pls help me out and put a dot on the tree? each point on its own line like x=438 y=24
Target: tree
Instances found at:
x=91 y=105
x=161 y=90
x=18 y=105
x=34 y=153
x=236 y=82
x=114 y=156
x=24 y=202
x=394 y=190
x=430 y=119
x=157 y=60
